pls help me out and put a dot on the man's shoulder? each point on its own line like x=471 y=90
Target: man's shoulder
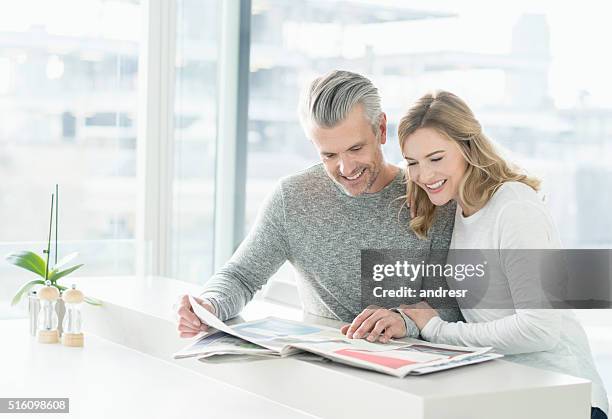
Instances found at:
x=312 y=179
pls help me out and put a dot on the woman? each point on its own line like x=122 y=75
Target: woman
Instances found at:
x=449 y=158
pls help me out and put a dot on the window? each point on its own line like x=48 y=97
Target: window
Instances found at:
x=68 y=111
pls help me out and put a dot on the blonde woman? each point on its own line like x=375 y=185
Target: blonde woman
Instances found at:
x=449 y=158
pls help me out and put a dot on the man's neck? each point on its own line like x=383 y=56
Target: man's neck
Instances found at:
x=385 y=177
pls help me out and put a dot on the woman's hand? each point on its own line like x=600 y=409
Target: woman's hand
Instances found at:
x=421 y=313
x=380 y=323
x=411 y=199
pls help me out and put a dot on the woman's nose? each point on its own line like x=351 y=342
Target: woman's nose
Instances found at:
x=425 y=175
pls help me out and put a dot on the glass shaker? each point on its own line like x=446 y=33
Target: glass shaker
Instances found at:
x=72 y=334
x=47 y=317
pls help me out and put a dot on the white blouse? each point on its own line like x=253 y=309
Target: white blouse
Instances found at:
x=516 y=218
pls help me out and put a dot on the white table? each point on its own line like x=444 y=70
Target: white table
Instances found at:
x=142 y=319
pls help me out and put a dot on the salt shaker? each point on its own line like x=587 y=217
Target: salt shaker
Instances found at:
x=47 y=317
x=72 y=334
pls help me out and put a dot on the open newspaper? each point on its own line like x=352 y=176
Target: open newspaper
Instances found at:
x=274 y=337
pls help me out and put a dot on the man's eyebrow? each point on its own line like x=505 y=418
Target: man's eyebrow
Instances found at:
x=429 y=155
x=359 y=144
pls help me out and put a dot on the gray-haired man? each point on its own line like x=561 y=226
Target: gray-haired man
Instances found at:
x=319 y=219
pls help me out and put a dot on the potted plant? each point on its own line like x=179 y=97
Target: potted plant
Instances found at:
x=36 y=264
x=39 y=266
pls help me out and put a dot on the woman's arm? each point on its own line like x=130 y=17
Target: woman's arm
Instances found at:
x=525 y=331
x=520 y=225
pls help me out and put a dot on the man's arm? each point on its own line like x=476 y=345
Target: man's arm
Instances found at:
x=260 y=255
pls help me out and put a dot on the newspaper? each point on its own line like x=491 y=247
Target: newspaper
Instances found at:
x=274 y=337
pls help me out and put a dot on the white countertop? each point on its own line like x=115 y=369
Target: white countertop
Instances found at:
x=106 y=380
x=141 y=317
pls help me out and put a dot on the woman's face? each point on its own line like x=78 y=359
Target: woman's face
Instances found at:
x=435 y=164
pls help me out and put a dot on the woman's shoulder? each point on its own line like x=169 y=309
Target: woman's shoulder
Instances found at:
x=523 y=220
x=518 y=203
x=516 y=193
x=514 y=201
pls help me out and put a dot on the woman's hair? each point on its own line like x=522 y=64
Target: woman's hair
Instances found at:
x=486 y=169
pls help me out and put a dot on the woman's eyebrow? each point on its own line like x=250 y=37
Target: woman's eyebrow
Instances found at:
x=430 y=154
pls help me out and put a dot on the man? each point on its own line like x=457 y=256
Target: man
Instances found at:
x=319 y=219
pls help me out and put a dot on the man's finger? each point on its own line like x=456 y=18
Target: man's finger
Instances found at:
x=369 y=323
x=378 y=329
x=188 y=315
x=358 y=321
x=183 y=328
x=344 y=329
x=184 y=323
x=188 y=334
x=387 y=335
x=186 y=327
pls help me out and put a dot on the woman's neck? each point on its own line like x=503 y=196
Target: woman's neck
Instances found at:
x=465 y=210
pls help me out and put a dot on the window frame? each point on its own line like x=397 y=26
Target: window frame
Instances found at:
x=156 y=133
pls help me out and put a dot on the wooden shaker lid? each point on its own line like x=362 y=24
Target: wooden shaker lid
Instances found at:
x=48 y=293
x=73 y=296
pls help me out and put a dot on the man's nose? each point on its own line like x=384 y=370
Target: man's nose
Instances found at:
x=347 y=166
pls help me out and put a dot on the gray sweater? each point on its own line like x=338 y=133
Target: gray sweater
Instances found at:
x=309 y=221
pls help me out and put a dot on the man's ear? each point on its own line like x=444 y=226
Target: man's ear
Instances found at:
x=382 y=128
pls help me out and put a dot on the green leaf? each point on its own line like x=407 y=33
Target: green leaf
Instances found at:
x=63 y=261
x=54 y=275
x=25 y=288
x=28 y=260
x=93 y=301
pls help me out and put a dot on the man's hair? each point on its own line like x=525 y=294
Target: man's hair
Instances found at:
x=329 y=99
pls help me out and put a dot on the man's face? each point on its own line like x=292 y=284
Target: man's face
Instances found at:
x=351 y=151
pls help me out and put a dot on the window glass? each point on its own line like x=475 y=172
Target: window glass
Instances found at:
x=68 y=115
x=194 y=139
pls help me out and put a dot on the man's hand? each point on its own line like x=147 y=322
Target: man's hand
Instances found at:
x=382 y=324
x=189 y=324
x=421 y=313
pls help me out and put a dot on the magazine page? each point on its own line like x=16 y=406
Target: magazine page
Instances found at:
x=456 y=363
x=270 y=333
x=398 y=362
x=221 y=343
x=285 y=335
x=281 y=335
